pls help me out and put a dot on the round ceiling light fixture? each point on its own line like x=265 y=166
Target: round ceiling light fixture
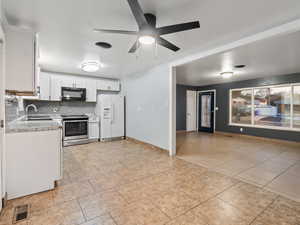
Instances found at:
x=90 y=66
x=103 y=44
x=146 y=40
x=227 y=74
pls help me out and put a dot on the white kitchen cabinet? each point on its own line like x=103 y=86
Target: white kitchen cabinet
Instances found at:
x=91 y=90
x=33 y=162
x=93 y=130
x=115 y=85
x=66 y=81
x=57 y=81
x=44 y=87
x=55 y=88
x=80 y=82
x=20 y=50
x=108 y=85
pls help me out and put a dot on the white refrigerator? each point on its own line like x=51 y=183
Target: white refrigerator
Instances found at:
x=110 y=110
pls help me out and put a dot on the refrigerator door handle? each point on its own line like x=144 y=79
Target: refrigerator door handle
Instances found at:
x=112 y=113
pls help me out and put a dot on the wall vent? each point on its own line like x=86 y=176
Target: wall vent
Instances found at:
x=21 y=213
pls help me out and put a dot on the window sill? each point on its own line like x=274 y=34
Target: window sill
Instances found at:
x=265 y=127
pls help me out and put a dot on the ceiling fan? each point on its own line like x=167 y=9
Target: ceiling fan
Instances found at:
x=148 y=32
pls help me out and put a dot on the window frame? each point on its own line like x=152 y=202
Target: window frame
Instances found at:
x=252 y=125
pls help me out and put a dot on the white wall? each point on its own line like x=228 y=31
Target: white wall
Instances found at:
x=147 y=106
x=2 y=112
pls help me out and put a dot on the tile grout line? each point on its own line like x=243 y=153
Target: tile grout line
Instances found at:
x=113 y=219
x=262 y=212
x=207 y=200
x=264 y=186
x=84 y=216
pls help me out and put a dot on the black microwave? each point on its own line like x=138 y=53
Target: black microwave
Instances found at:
x=73 y=94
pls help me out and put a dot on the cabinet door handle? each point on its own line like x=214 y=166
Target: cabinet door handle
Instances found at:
x=2 y=124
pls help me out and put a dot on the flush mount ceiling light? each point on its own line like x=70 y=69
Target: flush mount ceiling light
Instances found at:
x=227 y=74
x=146 y=40
x=90 y=66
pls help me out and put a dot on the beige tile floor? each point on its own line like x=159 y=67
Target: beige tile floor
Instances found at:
x=123 y=183
x=273 y=165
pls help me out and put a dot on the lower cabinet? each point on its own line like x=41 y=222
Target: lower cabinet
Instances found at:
x=33 y=162
x=94 y=130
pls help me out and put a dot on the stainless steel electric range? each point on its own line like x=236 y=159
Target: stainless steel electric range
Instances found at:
x=75 y=129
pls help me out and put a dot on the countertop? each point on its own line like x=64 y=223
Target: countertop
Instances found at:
x=19 y=125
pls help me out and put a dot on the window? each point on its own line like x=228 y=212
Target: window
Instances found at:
x=241 y=106
x=296 y=106
x=266 y=107
x=272 y=106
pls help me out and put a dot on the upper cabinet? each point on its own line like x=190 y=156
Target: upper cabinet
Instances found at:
x=50 y=85
x=55 y=88
x=91 y=90
x=21 y=61
x=108 y=85
x=44 y=87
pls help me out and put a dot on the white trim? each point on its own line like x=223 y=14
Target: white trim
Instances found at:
x=215 y=106
x=253 y=125
x=264 y=127
x=292 y=107
x=2 y=108
x=172 y=111
x=252 y=107
x=266 y=86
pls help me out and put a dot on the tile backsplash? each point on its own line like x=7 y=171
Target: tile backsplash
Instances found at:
x=47 y=107
x=14 y=111
x=11 y=111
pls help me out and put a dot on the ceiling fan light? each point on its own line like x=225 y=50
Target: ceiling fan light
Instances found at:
x=146 y=40
x=90 y=66
x=227 y=75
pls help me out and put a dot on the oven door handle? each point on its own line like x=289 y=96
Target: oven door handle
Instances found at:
x=74 y=121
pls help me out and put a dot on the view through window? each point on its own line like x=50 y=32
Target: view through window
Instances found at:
x=296 y=106
x=272 y=106
x=241 y=106
x=266 y=106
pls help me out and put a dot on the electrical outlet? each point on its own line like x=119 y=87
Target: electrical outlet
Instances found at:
x=241 y=130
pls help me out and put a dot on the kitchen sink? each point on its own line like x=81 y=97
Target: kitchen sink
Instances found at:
x=38 y=118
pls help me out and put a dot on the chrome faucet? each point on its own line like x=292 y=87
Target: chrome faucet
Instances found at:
x=31 y=105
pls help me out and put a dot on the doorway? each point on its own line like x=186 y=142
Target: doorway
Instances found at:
x=191 y=110
x=2 y=112
x=206 y=111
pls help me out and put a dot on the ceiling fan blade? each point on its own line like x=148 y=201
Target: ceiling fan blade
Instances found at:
x=116 y=31
x=167 y=44
x=135 y=46
x=138 y=13
x=178 y=28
